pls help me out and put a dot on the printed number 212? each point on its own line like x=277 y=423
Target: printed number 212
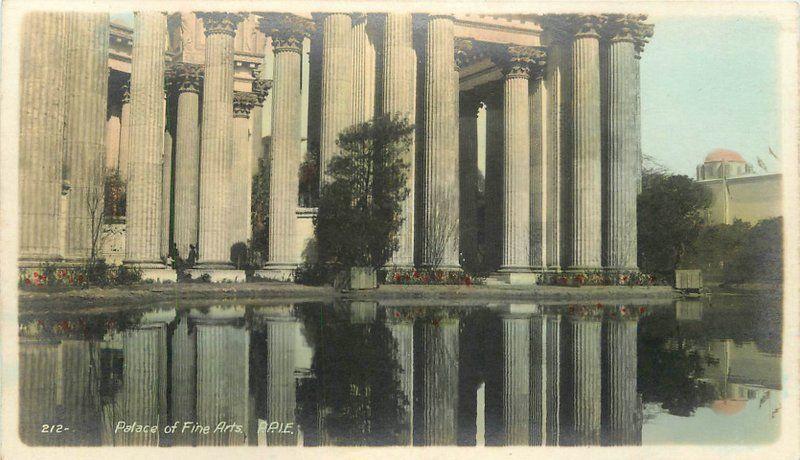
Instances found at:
x=54 y=428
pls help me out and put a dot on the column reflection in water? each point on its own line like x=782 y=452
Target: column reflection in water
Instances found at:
x=436 y=379
x=401 y=330
x=184 y=378
x=279 y=328
x=621 y=415
x=38 y=389
x=546 y=377
x=223 y=344
x=516 y=337
x=144 y=378
x=581 y=376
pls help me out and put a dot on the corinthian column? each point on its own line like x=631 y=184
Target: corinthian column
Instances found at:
x=41 y=133
x=586 y=149
x=399 y=97
x=144 y=188
x=440 y=186
x=240 y=180
x=620 y=401
x=622 y=146
x=287 y=32
x=261 y=90
x=216 y=133
x=125 y=133
x=516 y=160
x=337 y=84
x=84 y=129
x=187 y=80
x=468 y=180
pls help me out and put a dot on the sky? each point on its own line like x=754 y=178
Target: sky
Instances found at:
x=710 y=83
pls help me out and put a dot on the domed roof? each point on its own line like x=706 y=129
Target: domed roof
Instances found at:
x=724 y=155
x=728 y=406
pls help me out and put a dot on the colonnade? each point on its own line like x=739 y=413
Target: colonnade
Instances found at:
x=562 y=161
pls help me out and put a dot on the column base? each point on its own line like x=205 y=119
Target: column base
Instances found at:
x=218 y=275
x=619 y=270
x=583 y=269
x=159 y=275
x=277 y=272
x=516 y=276
x=153 y=271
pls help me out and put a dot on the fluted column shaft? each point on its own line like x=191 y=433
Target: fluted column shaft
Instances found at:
x=125 y=134
x=364 y=75
x=586 y=150
x=584 y=371
x=399 y=97
x=42 y=110
x=337 y=84
x=516 y=380
x=283 y=184
x=620 y=402
x=84 y=128
x=280 y=386
x=537 y=99
x=216 y=134
x=144 y=381
x=144 y=188
x=468 y=180
x=553 y=131
x=622 y=156
x=187 y=158
x=440 y=186
x=516 y=171
x=166 y=195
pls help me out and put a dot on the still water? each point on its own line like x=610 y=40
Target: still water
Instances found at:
x=363 y=373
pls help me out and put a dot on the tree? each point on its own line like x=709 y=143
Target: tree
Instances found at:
x=670 y=215
x=259 y=206
x=760 y=256
x=716 y=246
x=360 y=206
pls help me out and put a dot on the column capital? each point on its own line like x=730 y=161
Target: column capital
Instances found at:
x=261 y=89
x=469 y=103
x=564 y=26
x=185 y=77
x=627 y=27
x=287 y=30
x=243 y=103
x=521 y=61
x=221 y=23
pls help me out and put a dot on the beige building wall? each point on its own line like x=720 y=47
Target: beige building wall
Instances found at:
x=748 y=198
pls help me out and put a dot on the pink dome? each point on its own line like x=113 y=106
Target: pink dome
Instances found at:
x=718 y=155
